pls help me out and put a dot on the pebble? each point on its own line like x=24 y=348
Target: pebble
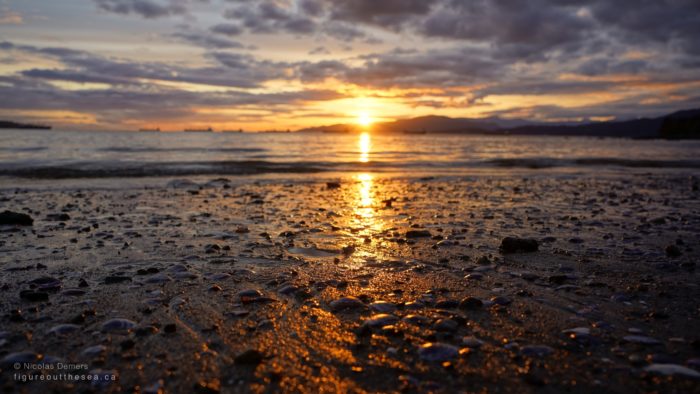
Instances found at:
x=673 y=251
x=380 y=320
x=347 y=303
x=672 y=369
x=34 y=296
x=578 y=331
x=158 y=278
x=20 y=357
x=47 y=283
x=382 y=307
x=250 y=293
x=118 y=326
x=472 y=342
x=500 y=300
x=446 y=325
x=640 y=339
x=286 y=290
x=471 y=303
x=416 y=320
x=518 y=245
x=63 y=329
x=94 y=351
x=437 y=352
x=15 y=219
x=418 y=234
x=249 y=357
x=536 y=351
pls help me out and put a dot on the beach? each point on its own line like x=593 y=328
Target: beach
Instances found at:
x=356 y=282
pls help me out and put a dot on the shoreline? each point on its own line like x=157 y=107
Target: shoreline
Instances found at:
x=249 y=286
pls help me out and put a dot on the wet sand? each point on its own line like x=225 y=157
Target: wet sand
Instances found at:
x=365 y=285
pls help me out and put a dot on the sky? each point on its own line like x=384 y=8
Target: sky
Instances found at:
x=289 y=64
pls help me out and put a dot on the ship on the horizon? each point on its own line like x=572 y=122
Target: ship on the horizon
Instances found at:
x=207 y=130
x=146 y=130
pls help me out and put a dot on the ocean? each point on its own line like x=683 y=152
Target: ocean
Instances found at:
x=62 y=155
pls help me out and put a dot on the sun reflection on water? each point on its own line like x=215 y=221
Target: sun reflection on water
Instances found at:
x=365 y=146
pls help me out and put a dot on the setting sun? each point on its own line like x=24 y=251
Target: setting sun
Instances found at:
x=364 y=119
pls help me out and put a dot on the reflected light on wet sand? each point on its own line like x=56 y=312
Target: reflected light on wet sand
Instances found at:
x=364 y=145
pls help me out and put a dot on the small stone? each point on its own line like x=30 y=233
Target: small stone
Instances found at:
x=672 y=369
x=446 y=325
x=249 y=357
x=536 y=351
x=472 y=342
x=416 y=320
x=382 y=307
x=673 y=251
x=518 y=245
x=500 y=300
x=447 y=304
x=640 y=339
x=94 y=351
x=19 y=357
x=471 y=303
x=347 y=303
x=118 y=326
x=158 y=278
x=437 y=352
x=63 y=329
x=15 y=219
x=380 y=320
x=418 y=234
x=34 y=296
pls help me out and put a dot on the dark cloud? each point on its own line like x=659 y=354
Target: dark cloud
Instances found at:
x=85 y=67
x=207 y=40
x=227 y=29
x=149 y=9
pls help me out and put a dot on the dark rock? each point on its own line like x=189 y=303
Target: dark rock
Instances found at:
x=471 y=303
x=418 y=234
x=58 y=217
x=15 y=219
x=673 y=251
x=249 y=357
x=34 y=296
x=518 y=245
x=347 y=303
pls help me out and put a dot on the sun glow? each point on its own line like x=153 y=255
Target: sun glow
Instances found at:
x=364 y=119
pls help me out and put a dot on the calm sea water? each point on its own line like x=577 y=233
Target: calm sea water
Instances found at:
x=65 y=154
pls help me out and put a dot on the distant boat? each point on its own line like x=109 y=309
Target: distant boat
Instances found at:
x=233 y=131
x=414 y=131
x=157 y=129
x=207 y=130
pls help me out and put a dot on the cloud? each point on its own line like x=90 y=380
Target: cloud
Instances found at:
x=207 y=40
x=227 y=29
x=150 y=9
x=85 y=67
x=9 y=17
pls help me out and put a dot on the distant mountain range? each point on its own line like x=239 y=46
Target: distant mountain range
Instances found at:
x=678 y=125
x=6 y=124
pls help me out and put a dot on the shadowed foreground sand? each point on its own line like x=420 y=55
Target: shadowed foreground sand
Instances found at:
x=366 y=285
